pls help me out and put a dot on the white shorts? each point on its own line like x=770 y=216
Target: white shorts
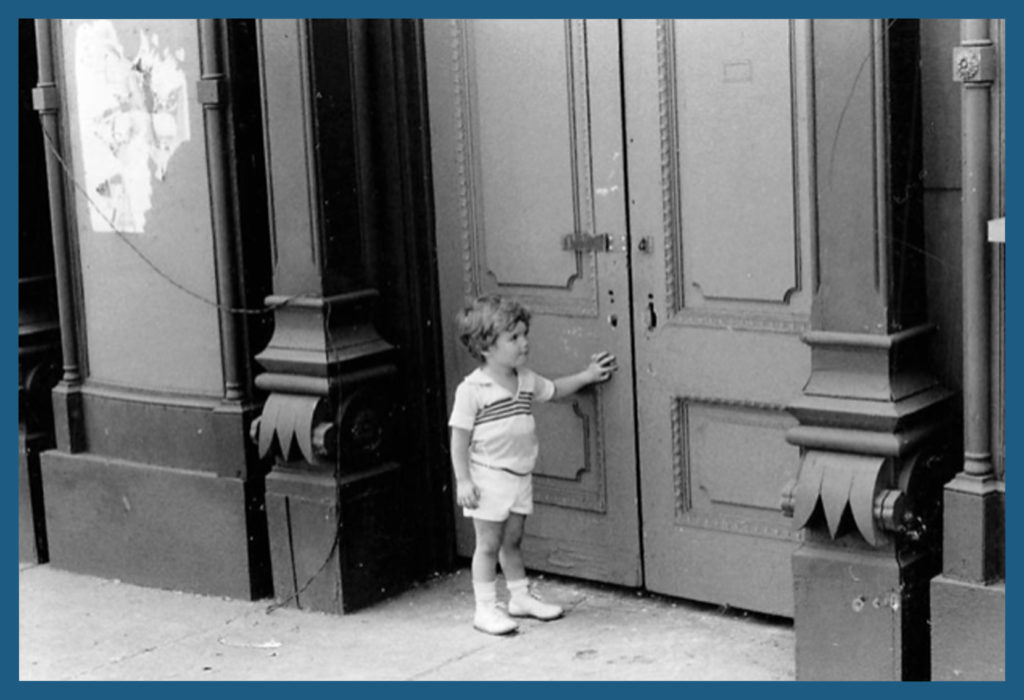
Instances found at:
x=501 y=493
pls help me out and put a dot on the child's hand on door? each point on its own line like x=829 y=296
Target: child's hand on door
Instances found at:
x=602 y=366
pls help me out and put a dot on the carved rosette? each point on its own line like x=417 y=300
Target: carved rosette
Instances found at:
x=974 y=64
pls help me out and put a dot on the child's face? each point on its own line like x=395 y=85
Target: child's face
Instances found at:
x=510 y=349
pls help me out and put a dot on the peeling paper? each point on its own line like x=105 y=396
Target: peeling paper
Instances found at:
x=132 y=117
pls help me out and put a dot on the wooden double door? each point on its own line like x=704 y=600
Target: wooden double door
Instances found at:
x=645 y=187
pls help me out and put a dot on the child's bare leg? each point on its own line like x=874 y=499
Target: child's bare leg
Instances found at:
x=488 y=618
x=511 y=553
x=521 y=602
x=485 y=553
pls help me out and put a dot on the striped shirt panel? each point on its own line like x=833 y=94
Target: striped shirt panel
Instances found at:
x=521 y=405
x=503 y=432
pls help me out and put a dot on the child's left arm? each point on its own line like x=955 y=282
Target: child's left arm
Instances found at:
x=602 y=366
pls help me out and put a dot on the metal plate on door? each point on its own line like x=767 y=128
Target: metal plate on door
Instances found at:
x=598 y=243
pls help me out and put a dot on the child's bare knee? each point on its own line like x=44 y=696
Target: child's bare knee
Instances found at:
x=488 y=546
x=489 y=536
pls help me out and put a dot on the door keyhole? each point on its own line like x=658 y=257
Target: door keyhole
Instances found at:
x=652 y=315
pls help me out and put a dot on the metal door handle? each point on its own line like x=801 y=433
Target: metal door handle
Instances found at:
x=646 y=245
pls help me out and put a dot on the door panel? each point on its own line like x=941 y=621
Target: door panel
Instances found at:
x=522 y=127
x=723 y=70
x=526 y=138
x=719 y=190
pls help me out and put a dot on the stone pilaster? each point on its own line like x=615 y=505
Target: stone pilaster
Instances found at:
x=330 y=420
x=873 y=422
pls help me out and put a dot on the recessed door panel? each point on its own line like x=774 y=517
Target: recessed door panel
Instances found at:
x=731 y=84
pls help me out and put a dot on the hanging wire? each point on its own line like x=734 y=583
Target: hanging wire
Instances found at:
x=268 y=308
x=277 y=604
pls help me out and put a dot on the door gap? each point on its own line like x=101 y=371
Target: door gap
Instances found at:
x=631 y=305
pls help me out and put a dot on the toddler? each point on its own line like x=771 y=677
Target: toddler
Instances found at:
x=494 y=448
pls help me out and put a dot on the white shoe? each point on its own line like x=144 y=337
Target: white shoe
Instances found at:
x=493 y=620
x=530 y=606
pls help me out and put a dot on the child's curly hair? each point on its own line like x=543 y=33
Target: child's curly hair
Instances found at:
x=482 y=322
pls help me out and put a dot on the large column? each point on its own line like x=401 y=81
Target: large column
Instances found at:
x=873 y=421
x=968 y=628
x=331 y=418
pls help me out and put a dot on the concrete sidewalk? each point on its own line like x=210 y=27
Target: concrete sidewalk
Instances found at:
x=75 y=627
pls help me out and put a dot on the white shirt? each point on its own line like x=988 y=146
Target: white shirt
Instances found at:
x=503 y=432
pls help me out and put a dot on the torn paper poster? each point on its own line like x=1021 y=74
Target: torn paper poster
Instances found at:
x=132 y=116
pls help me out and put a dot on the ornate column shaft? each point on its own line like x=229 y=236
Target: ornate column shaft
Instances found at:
x=872 y=417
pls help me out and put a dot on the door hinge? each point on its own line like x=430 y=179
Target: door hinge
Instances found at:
x=586 y=242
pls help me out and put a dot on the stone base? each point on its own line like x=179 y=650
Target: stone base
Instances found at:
x=155 y=526
x=337 y=546
x=968 y=631
x=860 y=615
x=973 y=529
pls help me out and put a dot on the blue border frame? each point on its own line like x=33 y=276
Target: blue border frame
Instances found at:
x=524 y=8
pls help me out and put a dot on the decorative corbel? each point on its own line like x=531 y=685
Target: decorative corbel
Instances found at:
x=293 y=422
x=332 y=399
x=882 y=496
x=359 y=434
x=830 y=484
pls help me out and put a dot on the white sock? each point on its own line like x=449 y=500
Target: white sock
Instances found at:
x=517 y=589
x=485 y=593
